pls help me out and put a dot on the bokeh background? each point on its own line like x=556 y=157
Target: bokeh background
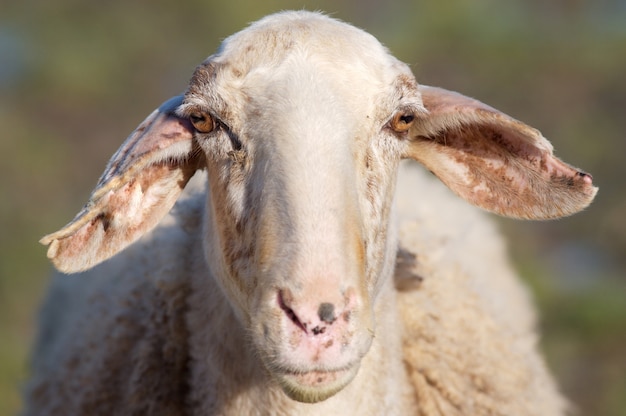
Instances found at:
x=76 y=76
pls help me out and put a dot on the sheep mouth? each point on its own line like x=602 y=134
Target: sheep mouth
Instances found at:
x=317 y=385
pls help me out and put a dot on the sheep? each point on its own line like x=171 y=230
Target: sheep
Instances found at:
x=247 y=256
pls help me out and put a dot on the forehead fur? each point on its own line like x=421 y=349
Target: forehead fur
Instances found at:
x=270 y=40
x=356 y=61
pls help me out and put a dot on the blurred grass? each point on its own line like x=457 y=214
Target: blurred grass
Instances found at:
x=76 y=77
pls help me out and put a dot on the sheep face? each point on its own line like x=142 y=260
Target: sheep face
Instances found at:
x=300 y=122
x=301 y=175
x=301 y=163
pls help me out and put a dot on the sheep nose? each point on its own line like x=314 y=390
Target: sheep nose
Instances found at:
x=307 y=317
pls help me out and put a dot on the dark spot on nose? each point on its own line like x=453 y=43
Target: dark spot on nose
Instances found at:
x=326 y=312
x=318 y=330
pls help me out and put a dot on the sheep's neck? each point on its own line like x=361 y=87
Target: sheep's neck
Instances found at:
x=228 y=378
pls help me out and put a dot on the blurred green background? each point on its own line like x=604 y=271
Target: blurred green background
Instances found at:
x=77 y=76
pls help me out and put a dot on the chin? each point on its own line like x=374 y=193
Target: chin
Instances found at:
x=317 y=385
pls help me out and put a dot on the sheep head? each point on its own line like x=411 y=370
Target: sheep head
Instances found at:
x=300 y=122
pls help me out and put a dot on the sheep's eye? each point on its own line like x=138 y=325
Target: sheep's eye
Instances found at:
x=401 y=122
x=202 y=122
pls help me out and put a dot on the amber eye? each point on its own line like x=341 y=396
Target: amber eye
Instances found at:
x=202 y=122
x=401 y=122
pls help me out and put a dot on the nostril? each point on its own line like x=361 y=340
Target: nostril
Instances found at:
x=282 y=302
x=326 y=312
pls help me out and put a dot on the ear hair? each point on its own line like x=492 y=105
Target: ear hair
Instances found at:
x=138 y=187
x=493 y=160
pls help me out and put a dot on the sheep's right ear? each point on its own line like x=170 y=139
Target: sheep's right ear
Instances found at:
x=138 y=187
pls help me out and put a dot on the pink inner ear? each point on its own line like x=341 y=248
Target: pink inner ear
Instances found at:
x=502 y=145
x=138 y=187
x=495 y=161
x=154 y=138
x=493 y=168
x=117 y=219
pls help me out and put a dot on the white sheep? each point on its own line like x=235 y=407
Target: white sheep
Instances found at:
x=268 y=288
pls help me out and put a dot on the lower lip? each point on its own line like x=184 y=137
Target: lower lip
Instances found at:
x=315 y=386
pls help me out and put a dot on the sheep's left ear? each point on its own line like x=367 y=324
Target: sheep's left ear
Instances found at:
x=493 y=160
x=140 y=184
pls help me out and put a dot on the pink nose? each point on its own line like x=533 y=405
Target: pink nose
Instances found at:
x=319 y=327
x=310 y=316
